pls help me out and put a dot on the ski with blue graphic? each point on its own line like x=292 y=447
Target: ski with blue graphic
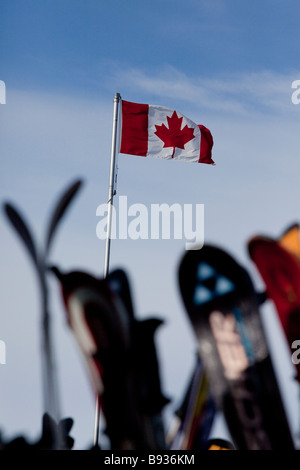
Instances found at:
x=222 y=306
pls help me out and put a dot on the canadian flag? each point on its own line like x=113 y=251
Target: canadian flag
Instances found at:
x=159 y=132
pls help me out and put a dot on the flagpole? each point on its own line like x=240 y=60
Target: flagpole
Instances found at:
x=111 y=191
x=111 y=194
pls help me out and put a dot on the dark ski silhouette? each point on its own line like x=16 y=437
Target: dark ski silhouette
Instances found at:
x=39 y=256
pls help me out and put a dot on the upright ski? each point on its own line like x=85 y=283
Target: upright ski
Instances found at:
x=290 y=240
x=120 y=355
x=222 y=306
x=279 y=268
x=193 y=420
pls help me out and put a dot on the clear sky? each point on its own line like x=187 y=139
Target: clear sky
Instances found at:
x=226 y=64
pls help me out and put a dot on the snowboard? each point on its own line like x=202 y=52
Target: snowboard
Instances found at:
x=222 y=306
x=280 y=270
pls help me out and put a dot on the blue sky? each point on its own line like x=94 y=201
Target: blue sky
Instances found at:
x=64 y=44
x=226 y=64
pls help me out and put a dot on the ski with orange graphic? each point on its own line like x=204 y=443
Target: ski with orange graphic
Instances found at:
x=278 y=263
x=222 y=306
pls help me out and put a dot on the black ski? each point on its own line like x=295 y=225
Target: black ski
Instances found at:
x=222 y=305
x=121 y=357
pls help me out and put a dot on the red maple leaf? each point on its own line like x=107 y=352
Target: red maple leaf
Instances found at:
x=174 y=136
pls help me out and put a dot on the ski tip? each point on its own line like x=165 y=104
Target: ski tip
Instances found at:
x=55 y=270
x=206 y=267
x=8 y=207
x=290 y=227
x=152 y=323
x=147 y=328
x=256 y=240
x=5 y=206
x=219 y=444
x=261 y=297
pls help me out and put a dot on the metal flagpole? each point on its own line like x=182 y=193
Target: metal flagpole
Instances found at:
x=111 y=191
x=111 y=194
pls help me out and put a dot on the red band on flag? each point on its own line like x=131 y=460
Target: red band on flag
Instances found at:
x=205 y=145
x=134 y=128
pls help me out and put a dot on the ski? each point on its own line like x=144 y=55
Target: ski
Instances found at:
x=193 y=420
x=120 y=355
x=219 y=444
x=145 y=367
x=279 y=268
x=222 y=306
x=290 y=240
x=39 y=257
